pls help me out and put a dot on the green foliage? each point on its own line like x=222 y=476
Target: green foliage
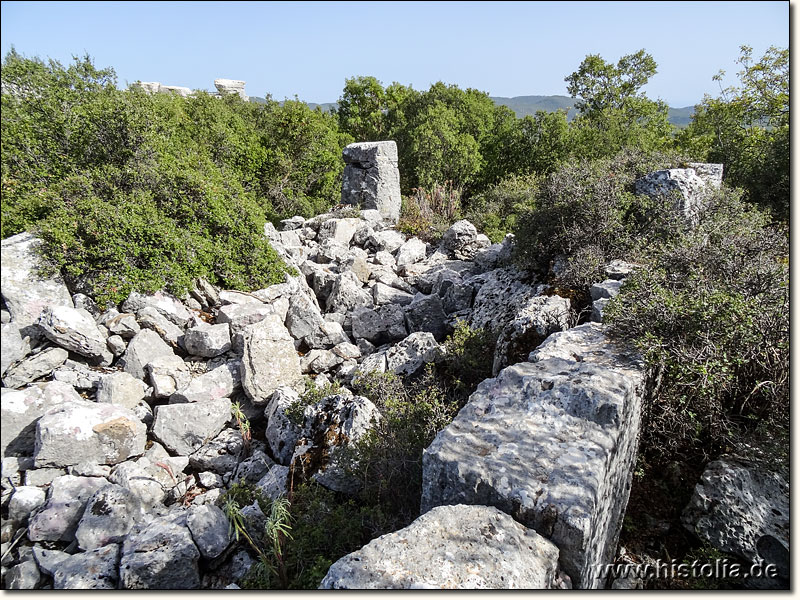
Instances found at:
x=136 y=191
x=495 y=211
x=361 y=109
x=586 y=212
x=711 y=316
x=469 y=354
x=325 y=527
x=614 y=113
x=388 y=460
x=747 y=129
x=312 y=394
x=428 y=213
x=267 y=544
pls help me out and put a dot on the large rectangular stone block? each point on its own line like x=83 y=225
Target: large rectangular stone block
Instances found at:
x=553 y=444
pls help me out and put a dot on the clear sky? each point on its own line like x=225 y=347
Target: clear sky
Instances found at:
x=308 y=49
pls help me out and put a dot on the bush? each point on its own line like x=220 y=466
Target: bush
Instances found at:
x=586 y=212
x=495 y=211
x=710 y=314
x=132 y=191
x=428 y=213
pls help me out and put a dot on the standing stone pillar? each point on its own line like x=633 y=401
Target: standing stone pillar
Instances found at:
x=371 y=179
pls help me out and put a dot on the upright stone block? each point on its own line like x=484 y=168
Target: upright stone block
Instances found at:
x=553 y=444
x=371 y=178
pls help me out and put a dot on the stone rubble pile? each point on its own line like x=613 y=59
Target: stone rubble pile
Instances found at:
x=119 y=436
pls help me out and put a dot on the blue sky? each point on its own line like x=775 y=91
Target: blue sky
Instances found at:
x=309 y=48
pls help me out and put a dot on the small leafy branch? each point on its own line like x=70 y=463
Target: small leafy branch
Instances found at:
x=243 y=423
x=270 y=548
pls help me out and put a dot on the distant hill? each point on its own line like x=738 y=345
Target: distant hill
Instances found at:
x=528 y=105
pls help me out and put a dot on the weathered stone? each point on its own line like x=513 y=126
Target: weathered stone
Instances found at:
x=89 y=469
x=275 y=483
x=167 y=374
x=607 y=289
x=689 y=190
x=207 y=341
x=24 y=501
x=34 y=367
x=167 y=305
x=209 y=528
x=110 y=514
x=160 y=555
x=412 y=251
x=269 y=359
x=253 y=468
x=183 y=428
x=73 y=329
x=319 y=361
x=340 y=230
x=743 y=509
x=221 y=454
x=14 y=347
x=426 y=313
x=618 y=269
x=116 y=345
x=537 y=319
x=121 y=389
x=178 y=90
x=77 y=431
x=347 y=293
x=303 y=318
x=371 y=179
x=150 y=318
x=552 y=443
x=79 y=375
x=212 y=385
x=330 y=424
x=66 y=501
x=231 y=86
x=145 y=347
x=48 y=560
x=389 y=240
x=25 y=290
x=394 y=320
x=281 y=433
x=369 y=325
x=414 y=352
x=21 y=409
x=146 y=479
x=42 y=477
x=384 y=294
x=462 y=240
x=710 y=173
x=347 y=351
x=451 y=547
x=93 y=570
x=359 y=267
x=501 y=295
x=598 y=306
x=331 y=251
x=121 y=324
x=328 y=335
x=296 y=222
x=23 y=576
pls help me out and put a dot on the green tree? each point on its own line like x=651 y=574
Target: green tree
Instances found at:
x=362 y=108
x=747 y=129
x=613 y=111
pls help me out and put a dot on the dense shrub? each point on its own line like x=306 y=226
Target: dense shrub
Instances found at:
x=138 y=191
x=585 y=213
x=495 y=211
x=428 y=213
x=710 y=314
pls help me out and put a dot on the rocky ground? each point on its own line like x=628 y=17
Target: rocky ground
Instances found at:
x=119 y=426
